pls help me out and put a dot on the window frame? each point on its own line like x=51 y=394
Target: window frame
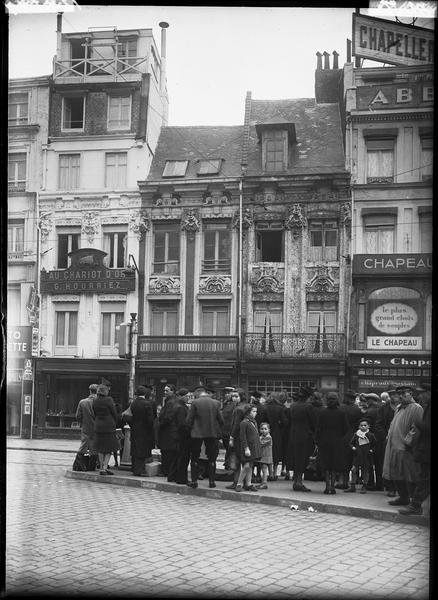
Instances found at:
x=326 y=226
x=216 y=308
x=379 y=228
x=378 y=145
x=63 y=112
x=208 y=167
x=15 y=225
x=426 y=152
x=70 y=244
x=117 y=169
x=114 y=243
x=169 y=229
x=70 y=178
x=66 y=348
x=110 y=127
x=164 y=308
x=218 y=263
x=117 y=316
x=270 y=136
x=17 y=120
x=262 y=227
x=16 y=184
x=167 y=168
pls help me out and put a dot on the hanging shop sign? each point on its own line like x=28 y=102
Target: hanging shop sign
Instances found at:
x=390 y=42
x=394 y=326
x=87 y=274
x=392 y=264
x=19 y=342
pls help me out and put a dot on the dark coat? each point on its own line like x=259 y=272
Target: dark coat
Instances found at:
x=235 y=424
x=353 y=414
x=142 y=427
x=363 y=454
x=227 y=415
x=180 y=416
x=249 y=437
x=331 y=428
x=205 y=419
x=385 y=414
x=167 y=438
x=277 y=420
x=421 y=451
x=105 y=414
x=302 y=424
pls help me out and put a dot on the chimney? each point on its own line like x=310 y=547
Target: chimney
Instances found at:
x=327 y=80
x=246 y=131
x=163 y=26
x=58 y=35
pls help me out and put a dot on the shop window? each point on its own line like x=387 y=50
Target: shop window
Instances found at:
x=380 y=160
x=269 y=242
x=323 y=240
x=379 y=233
x=425 y=223
x=67 y=242
x=164 y=318
x=321 y=325
x=217 y=247
x=16 y=236
x=17 y=169
x=119 y=112
x=69 y=171
x=73 y=110
x=215 y=319
x=166 y=248
x=114 y=244
x=426 y=158
x=18 y=108
x=175 y=168
x=115 y=170
x=66 y=331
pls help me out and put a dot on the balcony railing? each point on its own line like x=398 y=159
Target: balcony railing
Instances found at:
x=115 y=68
x=293 y=345
x=187 y=346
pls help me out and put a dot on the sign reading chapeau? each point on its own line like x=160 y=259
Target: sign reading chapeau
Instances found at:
x=87 y=274
x=391 y=42
x=392 y=264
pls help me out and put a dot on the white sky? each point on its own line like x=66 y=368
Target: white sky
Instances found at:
x=214 y=54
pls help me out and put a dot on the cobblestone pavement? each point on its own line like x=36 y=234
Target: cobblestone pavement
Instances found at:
x=76 y=538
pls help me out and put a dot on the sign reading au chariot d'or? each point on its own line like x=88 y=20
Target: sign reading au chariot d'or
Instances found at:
x=87 y=274
x=391 y=42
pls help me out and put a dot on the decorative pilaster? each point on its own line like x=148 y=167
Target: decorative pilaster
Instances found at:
x=90 y=225
x=296 y=220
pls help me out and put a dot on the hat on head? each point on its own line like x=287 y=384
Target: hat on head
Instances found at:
x=350 y=394
x=404 y=388
x=229 y=388
x=372 y=397
x=141 y=390
x=392 y=392
x=102 y=390
x=182 y=392
x=256 y=394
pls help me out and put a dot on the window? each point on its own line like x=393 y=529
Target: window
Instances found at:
x=425 y=222
x=275 y=150
x=166 y=248
x=109 y=323
x=321 y=324
x=16 y=236
x=18 y=108
x=269 y=242
x=267 y=323
x=66 y=328
x=175 y=168
x=380 y=160
x=77 y=53
x=67 y=242
x=323 y=240
x=73 y=112
x=119 y=112
x=217 y=247
x=209 y=167
x=127 y=51
x=13 y=306
x=115 y=169
x=69 y=171
x=426 y=158
x=215 y=319
x=114 y=244
x=379 y=233
x=164 y=318
x=17 y=166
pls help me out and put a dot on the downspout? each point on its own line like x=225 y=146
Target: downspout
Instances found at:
x=351 y=161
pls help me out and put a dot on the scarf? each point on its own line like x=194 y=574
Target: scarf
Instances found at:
x=362 y=437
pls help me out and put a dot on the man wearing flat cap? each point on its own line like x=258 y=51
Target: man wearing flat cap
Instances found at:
x=399 y=464
x=205 y=423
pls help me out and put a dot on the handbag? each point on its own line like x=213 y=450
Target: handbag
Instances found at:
x=127 y=415
x=411 y=437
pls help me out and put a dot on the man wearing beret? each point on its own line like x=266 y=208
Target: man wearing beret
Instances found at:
x=399 y=464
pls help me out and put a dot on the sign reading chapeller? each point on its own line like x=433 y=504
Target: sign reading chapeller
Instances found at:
x=87 y=274
x=391 y=42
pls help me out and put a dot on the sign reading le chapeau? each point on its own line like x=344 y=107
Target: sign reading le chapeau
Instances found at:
x=87 y=274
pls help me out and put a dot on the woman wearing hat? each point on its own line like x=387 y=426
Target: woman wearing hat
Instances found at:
x=302 y=422
x=105 y=423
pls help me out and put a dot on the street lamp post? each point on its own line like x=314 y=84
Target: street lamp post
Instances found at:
x=133 y=333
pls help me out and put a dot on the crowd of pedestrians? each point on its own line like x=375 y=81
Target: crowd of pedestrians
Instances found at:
x=364 y=442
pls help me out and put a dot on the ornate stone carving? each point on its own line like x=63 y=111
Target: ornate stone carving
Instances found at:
x=167 y=200
x=324 y=196
x=164 y=285
x=267 y=279
x=218 y=198
x=322 y=287
x=345 y=212
x=45 y=227
x=247 y=218
x=296 y=220
x=190 y=221
x=90 y=225
x=215 y=284
x=139 y=222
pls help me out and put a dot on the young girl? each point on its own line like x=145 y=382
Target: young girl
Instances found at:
x=249 y=450
x=266 y=456
x=362 y=443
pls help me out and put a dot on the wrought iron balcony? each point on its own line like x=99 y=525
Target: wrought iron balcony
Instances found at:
x=100 y=69
x=187 y=346
x=293 y=345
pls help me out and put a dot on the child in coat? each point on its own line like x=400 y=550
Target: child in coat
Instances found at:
x=362 y=443
x=266 y=456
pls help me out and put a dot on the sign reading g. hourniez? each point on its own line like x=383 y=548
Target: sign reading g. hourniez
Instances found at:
x=87 y=274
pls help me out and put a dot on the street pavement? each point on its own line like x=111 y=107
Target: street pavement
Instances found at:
x=76 y=537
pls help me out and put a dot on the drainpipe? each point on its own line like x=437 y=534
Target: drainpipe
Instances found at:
x=350 y=135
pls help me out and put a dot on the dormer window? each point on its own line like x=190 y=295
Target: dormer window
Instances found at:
x=276 y=137
x=209 y=167
x=175 y=168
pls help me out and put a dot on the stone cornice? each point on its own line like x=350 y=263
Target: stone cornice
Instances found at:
x=407 y=116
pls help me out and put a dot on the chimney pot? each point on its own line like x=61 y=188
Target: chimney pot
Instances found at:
x=318 y=61
x=335 y=59
x=326 y=60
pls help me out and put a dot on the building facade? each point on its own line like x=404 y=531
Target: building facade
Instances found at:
x=389 y=141
x=108 y=100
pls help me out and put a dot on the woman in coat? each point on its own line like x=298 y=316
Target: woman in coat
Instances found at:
x=331 y=429
x=301 y=444
x=105 y=423
x=275 y=416
x=182 y=436
x=250 y=449
x=142 y=430
x=353 y=414
x=167 y=438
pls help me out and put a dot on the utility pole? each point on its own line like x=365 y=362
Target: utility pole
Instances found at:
x=133 y=332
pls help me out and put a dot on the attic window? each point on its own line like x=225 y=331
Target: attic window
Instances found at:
x=175 y=168
x=209 y=167
x=275 y=150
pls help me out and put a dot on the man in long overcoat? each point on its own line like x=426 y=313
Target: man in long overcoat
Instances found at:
x=142 y=430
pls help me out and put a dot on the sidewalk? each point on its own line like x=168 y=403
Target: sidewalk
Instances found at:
x=373 y=505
